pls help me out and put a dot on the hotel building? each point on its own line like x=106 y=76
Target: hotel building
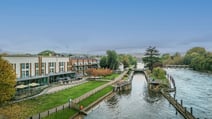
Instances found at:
x=47 y=70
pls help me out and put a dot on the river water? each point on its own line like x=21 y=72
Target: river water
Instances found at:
x=194 y=88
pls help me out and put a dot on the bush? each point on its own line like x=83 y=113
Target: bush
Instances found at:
x=99 y=72
x=159 y=73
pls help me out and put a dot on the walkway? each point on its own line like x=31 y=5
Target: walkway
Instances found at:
x=54 y=89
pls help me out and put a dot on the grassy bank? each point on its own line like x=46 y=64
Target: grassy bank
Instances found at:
x=67 y=113
x=27 y=108
x=112 y=76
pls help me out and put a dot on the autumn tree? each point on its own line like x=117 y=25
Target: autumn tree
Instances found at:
x=7 y=81
x=151 y=57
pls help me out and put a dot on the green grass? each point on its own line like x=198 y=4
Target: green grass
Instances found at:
x=45 y=102
x=112 y=76
x=67 y=113
x=96 y=96
x=53 y=100
x=63 y=114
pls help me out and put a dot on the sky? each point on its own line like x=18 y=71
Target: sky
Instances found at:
x=88 y=26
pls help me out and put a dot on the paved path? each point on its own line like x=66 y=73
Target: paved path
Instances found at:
x=54 y=89
x=62 y=87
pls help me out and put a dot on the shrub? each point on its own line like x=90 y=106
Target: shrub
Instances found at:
x=99 y=72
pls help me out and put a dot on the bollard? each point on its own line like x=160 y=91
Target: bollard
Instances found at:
x=48 y=112
x=31 y=117
x=69 y=105
x=176 y=111
x=185 y=110
x=63 y=107
x=181 y=102
x=39 y=116
x=191 y=110
x=56 y=109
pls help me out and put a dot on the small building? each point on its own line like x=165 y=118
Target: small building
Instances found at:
x=121 y=67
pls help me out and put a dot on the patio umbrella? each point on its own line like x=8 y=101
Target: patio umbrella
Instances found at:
x=21 y=86
x=34 y=84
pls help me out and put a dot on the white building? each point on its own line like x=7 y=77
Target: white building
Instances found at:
x=42 y=70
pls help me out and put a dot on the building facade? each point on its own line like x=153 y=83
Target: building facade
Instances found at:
x=81 y=64
x=47 y=70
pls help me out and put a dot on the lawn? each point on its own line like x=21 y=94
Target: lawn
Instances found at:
x=67 y=113
x=27 y=108
x=112 y=76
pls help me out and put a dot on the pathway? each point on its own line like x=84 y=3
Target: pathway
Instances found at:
x=54 y=89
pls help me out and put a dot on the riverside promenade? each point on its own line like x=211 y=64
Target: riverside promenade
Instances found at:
x=76 y=100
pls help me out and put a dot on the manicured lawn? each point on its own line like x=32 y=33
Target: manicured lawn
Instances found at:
x=96 y=96
x=42 y=103
x=56 y=99
x=67 y=113
x=63 y=114
x=112 y=76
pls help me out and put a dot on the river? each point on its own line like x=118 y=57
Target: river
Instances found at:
x=193 y=87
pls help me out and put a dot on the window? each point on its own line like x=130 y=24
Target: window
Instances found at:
x=25 y=70
x=61 y=66
x=51 y=67
x=27 y=65
x=36 y=65
x=36 y=69
x=43 y=72
x=14 y=67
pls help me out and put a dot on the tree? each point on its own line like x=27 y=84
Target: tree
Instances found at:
x=151 y=57
x=175 y=59
x=47 y=53
x=7 y=81
x=103 y=62
x=190 y=54
x=112 y=60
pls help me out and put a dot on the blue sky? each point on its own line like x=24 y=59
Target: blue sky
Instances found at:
x=95 y=25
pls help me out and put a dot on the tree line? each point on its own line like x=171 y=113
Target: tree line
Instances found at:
x=197 y=58
x=112 y=60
